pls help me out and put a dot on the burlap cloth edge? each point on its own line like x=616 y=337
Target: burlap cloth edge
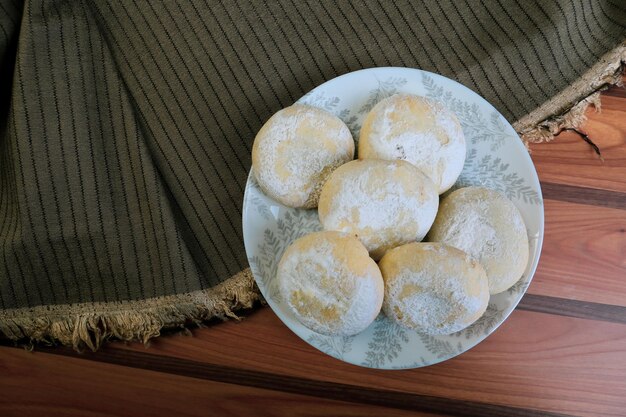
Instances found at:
x=88 y=325
x=567 y=109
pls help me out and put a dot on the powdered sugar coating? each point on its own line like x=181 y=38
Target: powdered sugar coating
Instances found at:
x=417 y=130
x=330 y=283
x=384 y=203
x=433 y=288
x=488 y=226
x=295 y=152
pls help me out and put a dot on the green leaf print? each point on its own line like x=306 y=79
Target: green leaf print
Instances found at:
x=337 y=347
x=443 y=349
x=386 y=343
x=484 y=324
x=495 y=174
x=475 y=126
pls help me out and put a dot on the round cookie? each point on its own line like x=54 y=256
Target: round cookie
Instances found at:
x=433 y=288
x=416 y=130
x=330 y=283
x=383 y=203
x=296 y=150
x=489 y=227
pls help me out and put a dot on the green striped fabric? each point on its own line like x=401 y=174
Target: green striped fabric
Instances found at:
x=126 y=126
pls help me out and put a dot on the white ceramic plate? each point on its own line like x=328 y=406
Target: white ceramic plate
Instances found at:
x=496 y=159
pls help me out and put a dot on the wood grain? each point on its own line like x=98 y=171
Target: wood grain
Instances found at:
x=65 y=387
x=532 y=361
x=583 y=195
x=616 y=91
x=569 y=160
x=584 y=254
x=573 y=308
x=290 y=384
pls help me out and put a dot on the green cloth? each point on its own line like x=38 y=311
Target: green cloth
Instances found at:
x=127 y=126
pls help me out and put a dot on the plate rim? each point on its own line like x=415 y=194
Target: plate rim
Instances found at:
x=534 y=180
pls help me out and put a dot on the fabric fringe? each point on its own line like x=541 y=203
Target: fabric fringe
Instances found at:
x=574 y=118
x=567 y=109
x=88 y=325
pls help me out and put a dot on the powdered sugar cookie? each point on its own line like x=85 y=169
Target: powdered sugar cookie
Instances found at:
x=384 y=203
x=433 y=288
x=488 y=226
x=295 y=152
x=330 y=283
x=416 y=130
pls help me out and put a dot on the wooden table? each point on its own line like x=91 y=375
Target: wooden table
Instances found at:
x=562 y=352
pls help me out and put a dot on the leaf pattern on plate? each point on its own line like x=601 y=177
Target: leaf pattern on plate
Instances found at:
x=484 y=325
x=491 y=172
x=297 y=223
x=261 y=208
x=475 y=127
x=289 y=227
x=385 y=88
x=320 y=100
x=353 y=123
x=519 y=287
x=442 y=349
x=256 y=201
x=256 y=267
x=335 y=346
x=386 y=344
x=272 y=245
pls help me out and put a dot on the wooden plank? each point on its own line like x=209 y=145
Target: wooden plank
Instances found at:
x=573 y=308
x=584 y=254
x=583 y=195
x=283 y=383
x=569 y=160
x=538 y=361
x=40 y=384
